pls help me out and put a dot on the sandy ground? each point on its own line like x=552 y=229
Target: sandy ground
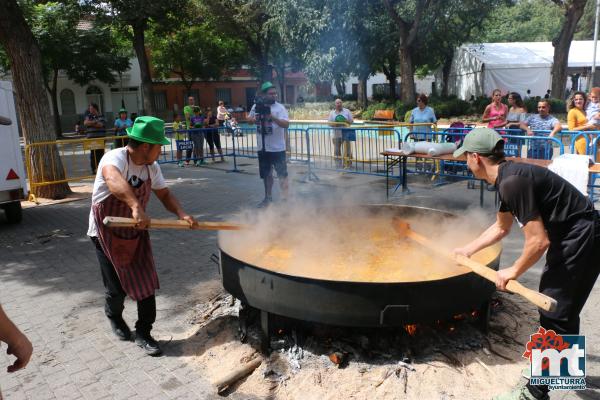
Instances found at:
x=448 y=360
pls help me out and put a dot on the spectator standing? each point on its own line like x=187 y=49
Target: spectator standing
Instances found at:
x=341 y=117
x=188 y=113
x=527 y=95
x=422 y=113
x=517 y=111
x=95 y=127
x=197 y=136
x=179 y=132
x=212 y=135
x=577 y=120
x=221 y=113
x=495 y=113
x=122 y=188
x=272 y=142
x=121 y=124
x=535 y=124
x=547 y=95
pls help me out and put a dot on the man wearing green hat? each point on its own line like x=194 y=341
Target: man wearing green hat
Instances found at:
x=272 y=120
x=555 y=217
x=125 y=178
x=121 y=125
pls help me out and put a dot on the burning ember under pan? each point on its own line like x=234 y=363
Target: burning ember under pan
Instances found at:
x=347 y=267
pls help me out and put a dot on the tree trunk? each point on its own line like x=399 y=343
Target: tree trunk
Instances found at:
x=446 y=75
x=139 y=45
x=340 y=85
x=32 y=102
x=266 y=71
x=407 y=75
x=54 y=98
x=362 y=92
x=391 y=76
x=281 y=81
x=562 y=44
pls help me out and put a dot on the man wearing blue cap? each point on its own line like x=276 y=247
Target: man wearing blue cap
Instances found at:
x=555 y=217
x=271 y=123
x=125 y=178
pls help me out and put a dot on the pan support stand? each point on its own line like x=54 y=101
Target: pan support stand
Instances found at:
x=247 y=315
x=483 y=323
x=265 y=339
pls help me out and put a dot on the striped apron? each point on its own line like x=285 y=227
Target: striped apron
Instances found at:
x=128 y=249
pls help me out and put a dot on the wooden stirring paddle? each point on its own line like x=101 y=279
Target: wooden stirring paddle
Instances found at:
x=121 y=222
x=541 y=300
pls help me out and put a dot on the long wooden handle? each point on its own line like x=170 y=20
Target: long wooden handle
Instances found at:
x=121 y=222
x=541 y=300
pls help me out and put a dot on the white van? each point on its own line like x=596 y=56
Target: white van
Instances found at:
x=13 y=183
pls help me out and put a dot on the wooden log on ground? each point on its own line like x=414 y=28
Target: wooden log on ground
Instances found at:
x=237 y=374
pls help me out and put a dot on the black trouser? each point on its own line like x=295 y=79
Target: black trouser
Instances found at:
x=115 y=296
x=572 y=267
x=213 y=138
x=95 y=156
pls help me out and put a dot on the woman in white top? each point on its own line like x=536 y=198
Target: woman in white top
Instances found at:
x=221 y=113
x=517 y=112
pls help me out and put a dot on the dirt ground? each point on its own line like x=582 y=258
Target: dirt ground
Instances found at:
x=443 y=360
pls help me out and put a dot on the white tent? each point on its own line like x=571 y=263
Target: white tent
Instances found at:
x=477 y=69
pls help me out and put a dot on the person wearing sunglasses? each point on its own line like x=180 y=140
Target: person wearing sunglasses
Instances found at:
x=422 y=114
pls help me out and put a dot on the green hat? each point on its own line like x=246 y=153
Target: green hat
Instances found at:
x=479 y=140
x=148 y=130
x=266 y=86
x=122 y=110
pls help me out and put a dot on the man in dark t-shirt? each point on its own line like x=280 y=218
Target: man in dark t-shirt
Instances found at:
x=554 y=216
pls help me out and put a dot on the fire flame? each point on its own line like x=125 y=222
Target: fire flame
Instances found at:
x=411 y=329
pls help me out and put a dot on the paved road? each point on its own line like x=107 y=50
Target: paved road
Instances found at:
x=50 y=285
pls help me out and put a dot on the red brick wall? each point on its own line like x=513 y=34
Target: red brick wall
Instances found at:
x=208 y=92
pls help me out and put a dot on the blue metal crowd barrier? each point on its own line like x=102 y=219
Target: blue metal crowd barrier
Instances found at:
x=358 y=150
x=354 y=150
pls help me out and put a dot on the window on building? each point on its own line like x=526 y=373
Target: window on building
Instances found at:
x=67 y=102
x=94 y=94
x=224 y=94
x=160 y=101
x=381 y=89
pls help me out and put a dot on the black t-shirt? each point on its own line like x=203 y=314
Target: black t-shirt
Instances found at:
x=529 y=191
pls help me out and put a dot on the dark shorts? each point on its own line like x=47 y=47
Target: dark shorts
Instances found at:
x=267 y=160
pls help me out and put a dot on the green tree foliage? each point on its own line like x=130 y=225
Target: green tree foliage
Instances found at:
x=350 y=44
x=451 y=24
x=134 y=17
x=585 y=28
x=522 y=21
x=194 y=53
x=251 y=22
x=70 y=42
x=277 y=34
